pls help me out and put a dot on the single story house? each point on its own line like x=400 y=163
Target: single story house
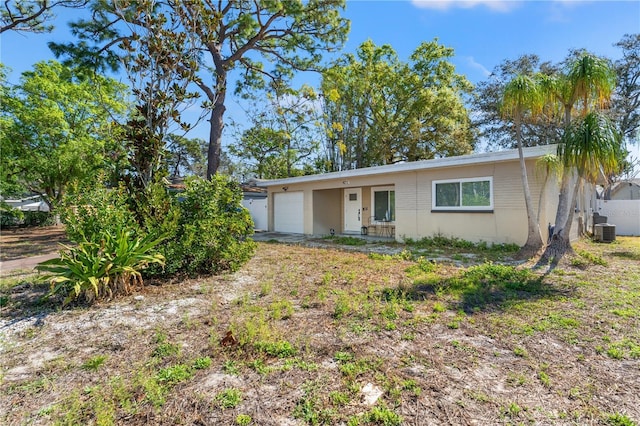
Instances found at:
x=34 y=203
x=475 y=197
x=626 y=190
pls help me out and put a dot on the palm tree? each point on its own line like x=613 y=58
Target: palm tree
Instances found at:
x=588 y=85
x=548 y=166
x=523 y=95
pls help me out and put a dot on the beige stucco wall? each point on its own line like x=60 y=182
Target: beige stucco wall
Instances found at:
x=415 y=218
x=323 y=200
x=327 y=207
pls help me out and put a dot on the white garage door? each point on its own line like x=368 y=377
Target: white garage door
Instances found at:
x=288 y=212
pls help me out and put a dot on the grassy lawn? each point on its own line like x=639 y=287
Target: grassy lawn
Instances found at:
x=329 y=336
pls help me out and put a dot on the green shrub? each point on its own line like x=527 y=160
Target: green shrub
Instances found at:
x=96 y=271
x=90 y=212
x=228 y=398
x=441 y=241
x=280 y=348
x=204 y=228
x=383 y=416
x=38 y=219
x=10 y=216
x=174 y=374
x=212 y=230
x=243 y=419
x=619 y=420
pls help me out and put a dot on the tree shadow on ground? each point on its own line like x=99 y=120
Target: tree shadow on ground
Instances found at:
x=18 y=244
x=26 y=301
x=487 y=287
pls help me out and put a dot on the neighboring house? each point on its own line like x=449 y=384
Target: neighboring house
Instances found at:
x=622 y=207
x=626 y=190
x=255 y=200
x=34 y=203
x=474 y=197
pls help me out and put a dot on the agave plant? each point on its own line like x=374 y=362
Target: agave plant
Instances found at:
x=101 y=271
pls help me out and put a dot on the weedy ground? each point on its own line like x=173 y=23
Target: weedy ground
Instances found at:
x=333 y=336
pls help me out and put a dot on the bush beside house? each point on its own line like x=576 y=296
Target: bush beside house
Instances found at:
x=201 y=230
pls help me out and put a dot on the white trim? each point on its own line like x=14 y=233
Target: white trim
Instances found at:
x=461 y=207
x=461 y=160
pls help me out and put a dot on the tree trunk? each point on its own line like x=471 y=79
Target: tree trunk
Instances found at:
x=217 y=97
x=215 y=138
x=541 y=200
x=534 y=238
x=560 y=243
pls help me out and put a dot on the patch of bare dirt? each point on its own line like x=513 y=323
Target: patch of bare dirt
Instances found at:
x=544 y=360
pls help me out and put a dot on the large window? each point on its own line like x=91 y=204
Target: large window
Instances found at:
x=474 y=194
x=384 y=203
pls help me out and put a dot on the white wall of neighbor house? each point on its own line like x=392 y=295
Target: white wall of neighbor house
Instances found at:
x=624 y=214
x=626 y=191
x=258 y=209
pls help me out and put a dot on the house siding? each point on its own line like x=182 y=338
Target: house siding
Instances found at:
x=412 y=183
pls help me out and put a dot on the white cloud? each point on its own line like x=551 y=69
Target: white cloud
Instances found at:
x=562 y=10
x=497 y=5
x=476 y=65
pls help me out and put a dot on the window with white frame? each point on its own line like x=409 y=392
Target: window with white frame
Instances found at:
x=384 y=203
x=473 y=194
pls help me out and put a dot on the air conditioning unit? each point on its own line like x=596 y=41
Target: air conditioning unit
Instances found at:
x=605 y=232
x=597 y=218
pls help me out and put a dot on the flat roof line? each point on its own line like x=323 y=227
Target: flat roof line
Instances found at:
x=460 y=160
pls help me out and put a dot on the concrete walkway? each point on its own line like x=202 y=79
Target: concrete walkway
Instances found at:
x=301 y=238
x=26 y=264
x=373 y=244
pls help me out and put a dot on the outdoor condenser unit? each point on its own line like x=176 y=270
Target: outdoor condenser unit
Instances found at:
x=605 y=232
x=597 y=218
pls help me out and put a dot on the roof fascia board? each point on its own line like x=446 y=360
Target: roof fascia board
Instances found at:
x=461 y=160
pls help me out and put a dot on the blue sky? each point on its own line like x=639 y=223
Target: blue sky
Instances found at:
x=483 y=33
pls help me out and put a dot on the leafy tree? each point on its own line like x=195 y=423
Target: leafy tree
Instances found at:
x=8 y=185
x=59 y=127
x=284 y=133
x=380 y=110
x=543 y=129
x=523 y=97
x=32 y=15
x=626 y=99
x=185 y=157
x=260 y=149
x=231 y=35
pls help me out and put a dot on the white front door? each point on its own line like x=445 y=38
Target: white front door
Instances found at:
x=352 y=210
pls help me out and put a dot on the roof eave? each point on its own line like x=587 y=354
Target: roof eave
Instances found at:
x=457 y=161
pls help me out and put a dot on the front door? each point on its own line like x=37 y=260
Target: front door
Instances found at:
x=352 y=210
